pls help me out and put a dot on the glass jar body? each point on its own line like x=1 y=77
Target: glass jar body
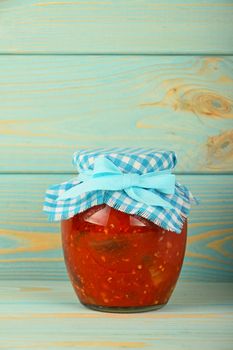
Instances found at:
x=119 y=262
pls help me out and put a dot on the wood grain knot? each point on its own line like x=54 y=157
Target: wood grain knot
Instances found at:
x=208 y=103
x=198 y=101
x=220 y=148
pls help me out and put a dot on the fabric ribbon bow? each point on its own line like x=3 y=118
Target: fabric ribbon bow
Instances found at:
x=107 y=176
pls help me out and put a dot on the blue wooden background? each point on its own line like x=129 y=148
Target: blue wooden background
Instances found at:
x=106 y=73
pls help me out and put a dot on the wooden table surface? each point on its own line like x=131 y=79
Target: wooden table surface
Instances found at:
x=47 y=315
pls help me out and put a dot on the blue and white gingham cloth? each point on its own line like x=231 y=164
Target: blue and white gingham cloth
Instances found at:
x=128 y=160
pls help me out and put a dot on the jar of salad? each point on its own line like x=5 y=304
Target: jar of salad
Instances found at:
x=124 y=227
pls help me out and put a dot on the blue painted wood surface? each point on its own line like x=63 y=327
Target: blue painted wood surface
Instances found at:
x=51 y=106
x=122 y=26
x=31 y=246
x=47 y=315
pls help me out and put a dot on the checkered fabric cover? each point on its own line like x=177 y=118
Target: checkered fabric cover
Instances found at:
x=128 y=160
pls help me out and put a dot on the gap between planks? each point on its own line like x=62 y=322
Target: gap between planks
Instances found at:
x=29 y=53
x=75 y=173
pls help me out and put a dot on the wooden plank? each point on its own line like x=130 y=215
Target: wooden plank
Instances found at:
x=123 y=26
x=31 y=246
x=47 y=315
x=51 y=106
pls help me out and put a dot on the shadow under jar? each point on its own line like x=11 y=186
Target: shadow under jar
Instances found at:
x=119 y=262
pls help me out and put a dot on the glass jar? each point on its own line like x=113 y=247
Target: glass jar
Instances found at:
x=118 y=262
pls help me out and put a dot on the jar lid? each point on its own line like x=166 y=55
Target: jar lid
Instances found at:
x=133 y=180
x=128 y=160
